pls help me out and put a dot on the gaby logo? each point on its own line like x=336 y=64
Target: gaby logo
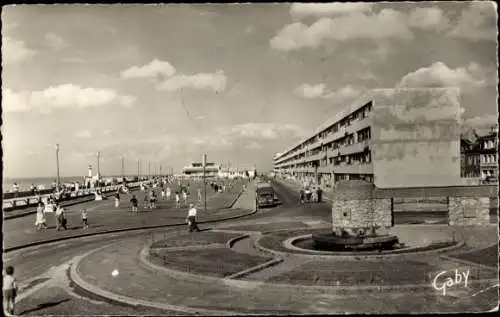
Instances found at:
x=442 y=282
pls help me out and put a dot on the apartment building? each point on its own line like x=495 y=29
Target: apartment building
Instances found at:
x=391 y=137
x=480 y=157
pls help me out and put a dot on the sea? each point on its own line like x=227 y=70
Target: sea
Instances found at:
x=25 y=183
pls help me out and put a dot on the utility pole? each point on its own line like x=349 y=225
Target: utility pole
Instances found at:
x=204 y=183
x=160 y=169
x=57 y=161
x=98 y=165
x=123 y=168
x=138 y=169
x=149 y=169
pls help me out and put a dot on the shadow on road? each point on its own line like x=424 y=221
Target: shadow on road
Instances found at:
x=44 y=305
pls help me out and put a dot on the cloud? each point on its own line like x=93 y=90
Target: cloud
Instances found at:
x=477 y=22
x=63 y=97
x=386 y=24
x=440 y=75
x=54 y=41
x=481 y=121
x=85 y=134
x=203 y=81
x=254 y=146
x=428 y=18
x=299 y=10
x=154 y=69
x=259 y=131
x=311 y=91
x=14 y=51
x=320 y=91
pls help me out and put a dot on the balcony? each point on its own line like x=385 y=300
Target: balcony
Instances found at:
x=355 y=148
x=355 y=168
x=353 y=128
x=488 y=164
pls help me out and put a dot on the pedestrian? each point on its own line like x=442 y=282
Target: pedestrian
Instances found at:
x=85 y=223
x=163 y=193
x=33 y=189
x=146 y=201
x=152 y=199
x=302 y=196
x=40 y=222
x=184 y=196
x=61 y=220
x=117 y=199
x=191 y=219
x=134 y=203
x=169 y=192
x=199 y=194
x=177 y=200
x=9 y=289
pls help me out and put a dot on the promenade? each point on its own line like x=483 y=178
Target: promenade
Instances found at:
x=103 y=216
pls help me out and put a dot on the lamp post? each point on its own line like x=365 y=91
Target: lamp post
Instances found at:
x=57 y=160
x=98 y=165
x=138 y=169
x=204 y=183
x=149 y=169
x=123 y=168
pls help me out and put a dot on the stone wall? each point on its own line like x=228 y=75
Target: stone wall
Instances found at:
x=353 y=206
x=469 y=210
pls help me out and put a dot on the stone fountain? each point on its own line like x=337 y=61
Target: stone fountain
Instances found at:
x=359 y=222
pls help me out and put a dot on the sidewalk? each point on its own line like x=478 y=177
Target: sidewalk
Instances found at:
x=103 y=217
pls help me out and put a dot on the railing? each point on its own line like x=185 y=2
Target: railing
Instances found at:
x=31 y=200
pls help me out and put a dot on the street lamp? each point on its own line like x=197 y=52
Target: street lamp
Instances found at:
x=138 y=169
x=98 y=165
x=57 y=160
x=123 y=168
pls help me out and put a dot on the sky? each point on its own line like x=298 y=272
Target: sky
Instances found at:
x=166 y=83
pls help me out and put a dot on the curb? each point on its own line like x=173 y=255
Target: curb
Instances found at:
x=77 y=280
x=253 y=269
x=37 y=243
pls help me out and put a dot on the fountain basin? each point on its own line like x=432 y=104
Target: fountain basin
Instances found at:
x=330 y=242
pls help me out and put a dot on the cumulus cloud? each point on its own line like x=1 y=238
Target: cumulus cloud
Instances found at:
x=386 y=24
x=54 y=41
x=298 y=10
x=261 y=131
x=63 y=97
x=481 y=121
x=440 y=75
x=428 y=18
x=14 y=51
x=477 y=22
x=153 y=69
x=84 y=134
x=320 y=91
x=203 y=81
x=311 y=91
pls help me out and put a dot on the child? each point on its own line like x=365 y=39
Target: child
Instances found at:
x=185 y=196
x=134 y=203
x=84 y=219
x=9 y=290
x=177 y=199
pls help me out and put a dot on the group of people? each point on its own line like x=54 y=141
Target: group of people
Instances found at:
x=308 y=194
x=59 y=216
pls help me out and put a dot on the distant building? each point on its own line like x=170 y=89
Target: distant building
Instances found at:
x=196 y=170
x=479 y=158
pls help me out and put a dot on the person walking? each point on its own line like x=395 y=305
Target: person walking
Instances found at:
x=163 y=193
x=117 y=199
x=59 y=216
x=199 y=195
x=168 y=193
x=85 y=223
x=191 y=219
x=302 y=196
x=146 y=201
x=9 y=289
x=40 y=222
x=152 y=199
x=134 y=203
x=177 y=200
x=184 y=196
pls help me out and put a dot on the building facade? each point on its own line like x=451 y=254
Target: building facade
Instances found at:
x=391 y=137
x=480 y=157
x=196 y=170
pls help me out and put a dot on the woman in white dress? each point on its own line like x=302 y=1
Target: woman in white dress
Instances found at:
x=40 y=222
